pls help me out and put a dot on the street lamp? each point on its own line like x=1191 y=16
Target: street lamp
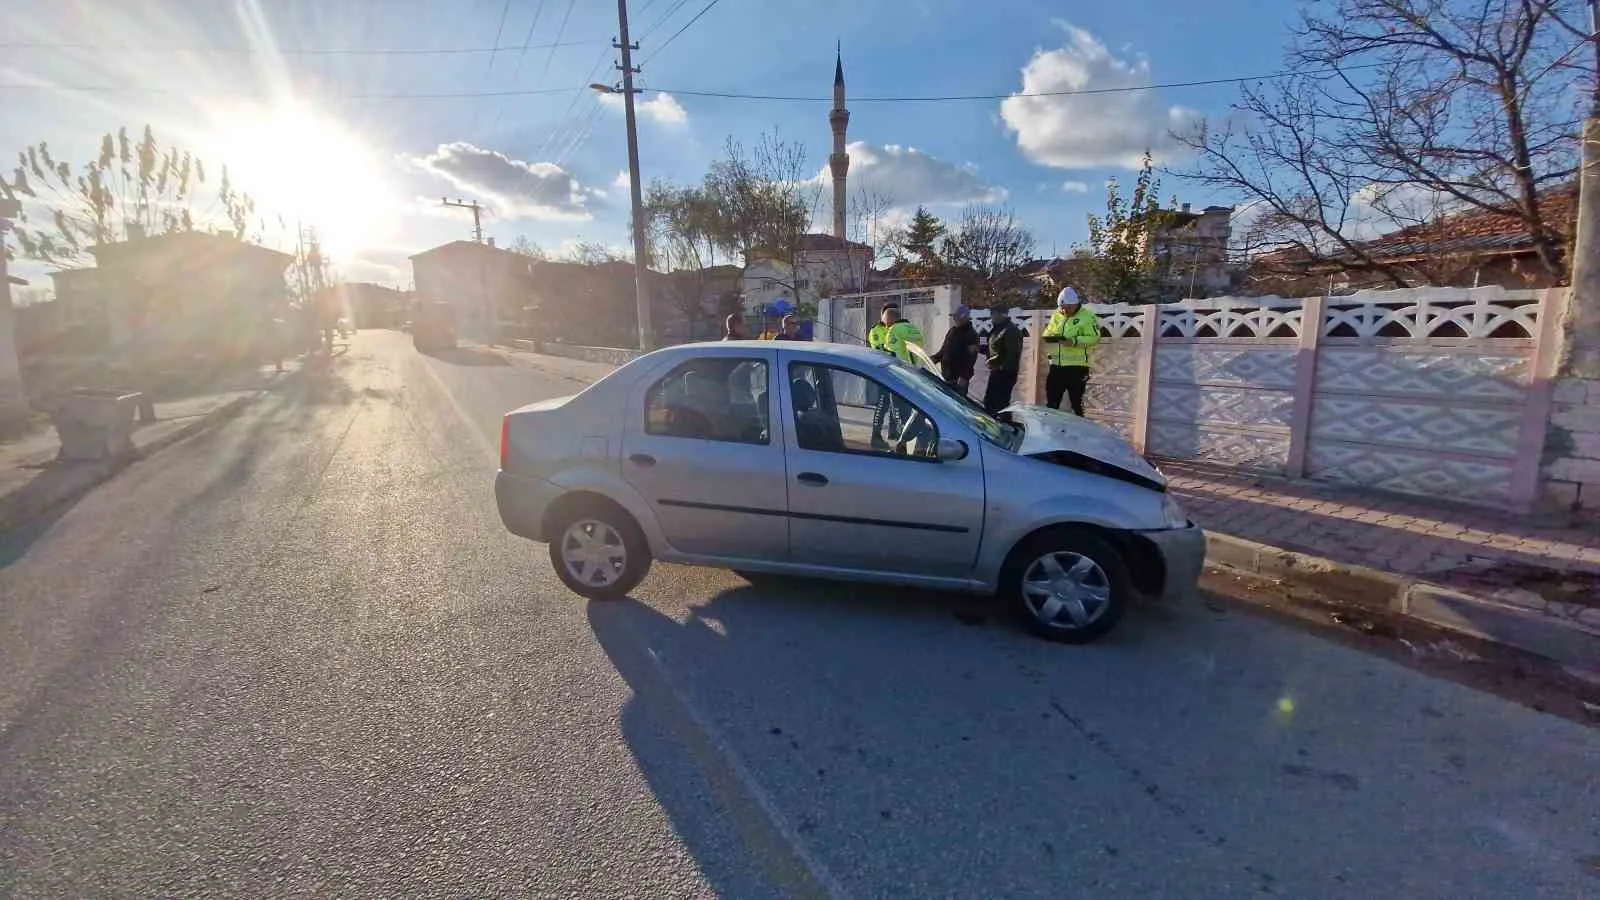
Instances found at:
x=640 y=250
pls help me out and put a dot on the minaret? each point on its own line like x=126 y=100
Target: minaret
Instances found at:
x=839 y=161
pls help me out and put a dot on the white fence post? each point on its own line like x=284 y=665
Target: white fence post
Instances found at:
x=1145 y=376
x=1305 y=386
x=1547 y=340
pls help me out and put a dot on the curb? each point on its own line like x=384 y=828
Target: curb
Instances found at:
x=15 y=513
x=1563 y=640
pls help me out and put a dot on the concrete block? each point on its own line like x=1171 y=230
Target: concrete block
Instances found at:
x=1559 y=495
x=1236 y=553
x=1572 y=392
x=1568 y=468
x=1544 y=635
x=1583 y=446
x=1577 y=419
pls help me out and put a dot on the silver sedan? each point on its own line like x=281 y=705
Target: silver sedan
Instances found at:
x=829 y=461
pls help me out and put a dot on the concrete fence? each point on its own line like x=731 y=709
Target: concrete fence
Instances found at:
x=1443 y=392
x=1438 y=391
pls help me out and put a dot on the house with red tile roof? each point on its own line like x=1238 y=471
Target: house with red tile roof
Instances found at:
x=1468 y=249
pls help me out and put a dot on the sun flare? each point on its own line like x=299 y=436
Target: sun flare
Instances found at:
x=310 y=171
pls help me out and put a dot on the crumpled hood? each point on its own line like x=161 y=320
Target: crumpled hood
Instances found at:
x=1046 y=430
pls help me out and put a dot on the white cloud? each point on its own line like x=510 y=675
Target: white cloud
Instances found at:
x=1085 y=130
x=663 y=109
x=908 y=177
x=621 y=182
x=1075 y=187
x=511 y=187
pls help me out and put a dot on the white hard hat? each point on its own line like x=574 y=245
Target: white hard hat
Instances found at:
x=1067 y=297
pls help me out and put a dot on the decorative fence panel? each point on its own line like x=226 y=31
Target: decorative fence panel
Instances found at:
x=1434 y=391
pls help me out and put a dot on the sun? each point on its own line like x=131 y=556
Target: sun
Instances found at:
x=310 y=171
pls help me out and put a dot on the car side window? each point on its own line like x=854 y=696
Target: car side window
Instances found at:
x=840 y=411
x=712 y=399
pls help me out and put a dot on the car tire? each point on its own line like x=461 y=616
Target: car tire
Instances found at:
x=598 y=550
x=1066 y=585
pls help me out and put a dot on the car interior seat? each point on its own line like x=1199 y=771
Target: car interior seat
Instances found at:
x=812 y=426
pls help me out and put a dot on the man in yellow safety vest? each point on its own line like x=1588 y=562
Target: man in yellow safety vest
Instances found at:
x=1073 y=329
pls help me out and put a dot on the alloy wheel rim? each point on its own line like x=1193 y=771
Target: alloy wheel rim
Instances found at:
x=1066 y=590
x=593 y=553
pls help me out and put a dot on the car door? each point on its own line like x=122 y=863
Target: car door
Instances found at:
x=856 y=506
x=698 y=445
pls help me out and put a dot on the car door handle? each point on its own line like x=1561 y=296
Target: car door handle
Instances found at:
x=811 y=478
x=642 y=459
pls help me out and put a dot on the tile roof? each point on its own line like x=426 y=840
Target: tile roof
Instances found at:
x=1474 y=231
x=1478 y=231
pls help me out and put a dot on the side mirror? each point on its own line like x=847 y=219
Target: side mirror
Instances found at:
x=950 y=450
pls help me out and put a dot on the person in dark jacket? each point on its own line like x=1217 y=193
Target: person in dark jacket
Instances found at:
x=1005 y=361
x=958 y=354
x=733 y=328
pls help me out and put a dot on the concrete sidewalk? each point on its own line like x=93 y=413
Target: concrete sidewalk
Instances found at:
x=32 y=481
x=1491 y=575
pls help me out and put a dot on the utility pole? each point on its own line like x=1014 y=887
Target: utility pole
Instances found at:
x=477 y=215
x=641 y=255
x=483 y=277
x=1583 y=305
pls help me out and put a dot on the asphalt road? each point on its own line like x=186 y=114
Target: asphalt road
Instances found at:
x=298 y=656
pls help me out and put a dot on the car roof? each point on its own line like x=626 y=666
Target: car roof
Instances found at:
x=852 y=352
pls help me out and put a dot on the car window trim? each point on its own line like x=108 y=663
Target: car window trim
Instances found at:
x=653 y=381
x=873 y=454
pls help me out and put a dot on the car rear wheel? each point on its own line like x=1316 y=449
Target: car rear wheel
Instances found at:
x=598 y=552
x=1067 y=585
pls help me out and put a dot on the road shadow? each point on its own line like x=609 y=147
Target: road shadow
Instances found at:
x=467 y=356
x=727 y=687
x=51 y=494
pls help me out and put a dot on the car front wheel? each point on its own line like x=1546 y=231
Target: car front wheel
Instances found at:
x=1067 y=585
x=598 y=552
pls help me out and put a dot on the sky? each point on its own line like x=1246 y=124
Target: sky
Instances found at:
x=357 y=116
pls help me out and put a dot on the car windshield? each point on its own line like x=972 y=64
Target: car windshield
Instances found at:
x=931 y=389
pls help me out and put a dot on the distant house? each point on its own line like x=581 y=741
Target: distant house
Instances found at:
x=823 y=266
x=1468 y=249
x=484 y=283
x=368 y=305
x=1189 y=252
x=173 y=297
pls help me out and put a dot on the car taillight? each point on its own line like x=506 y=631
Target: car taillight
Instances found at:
x=505 y=440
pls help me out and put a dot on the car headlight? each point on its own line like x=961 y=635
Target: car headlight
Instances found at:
x=1172 y=515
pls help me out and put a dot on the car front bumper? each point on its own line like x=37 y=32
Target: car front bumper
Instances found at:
x=522 y=502
x=1183 y=557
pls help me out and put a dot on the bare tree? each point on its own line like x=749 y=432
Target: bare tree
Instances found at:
x=129 y=184
x=762 y=197
x=985 y=250
x=591 y=253
x=525 y=247
x=1404 y=110
x=869 y=223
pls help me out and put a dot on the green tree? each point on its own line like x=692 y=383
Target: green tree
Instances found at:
x=919 y=247
x=1123 y=265
x=685 y=235
x=129 y=184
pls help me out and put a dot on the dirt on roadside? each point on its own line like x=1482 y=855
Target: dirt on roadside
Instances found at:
x=1367 y=624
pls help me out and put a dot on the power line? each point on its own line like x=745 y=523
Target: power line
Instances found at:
x=499 y=30
x=291 y=51
x=538 y=12
x=559 y=32
x=671 y=11
x=663 y=45
x=729 y=95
